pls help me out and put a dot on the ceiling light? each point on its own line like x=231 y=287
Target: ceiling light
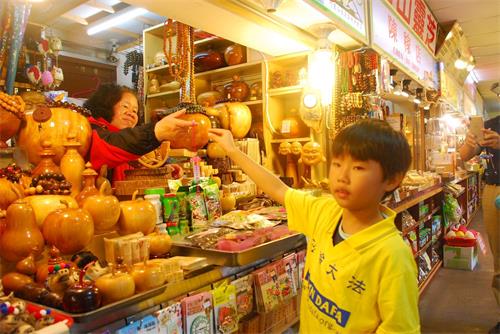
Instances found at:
x=449 y=36
x=116 y=19
x=427 y=107
x=406 y=88
x=418 y=96
x=397 y=89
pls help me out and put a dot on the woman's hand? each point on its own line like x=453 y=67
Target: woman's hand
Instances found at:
x=491 y=139
x=171 y=126
x=224 y=138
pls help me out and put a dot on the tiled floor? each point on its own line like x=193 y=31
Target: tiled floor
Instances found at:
x=459 y=301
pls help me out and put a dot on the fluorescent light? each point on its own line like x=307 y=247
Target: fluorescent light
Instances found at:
x=116 y=19
x=460 y=64
x=416 y=100
x=405 y=93
x=322 y=73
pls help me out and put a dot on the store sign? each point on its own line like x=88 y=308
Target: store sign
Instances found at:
x=420 y=19
x=392 y=36
x=352 y=13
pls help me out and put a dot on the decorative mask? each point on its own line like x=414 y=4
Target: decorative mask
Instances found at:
x=58 y=75
x=296 y=148
x=34 y=74
x=285 y=148
x=47 y=78
x=55 y=44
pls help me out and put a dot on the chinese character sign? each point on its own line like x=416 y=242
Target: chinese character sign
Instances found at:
x=390 y=34
x=350 y=12
x=420 y=19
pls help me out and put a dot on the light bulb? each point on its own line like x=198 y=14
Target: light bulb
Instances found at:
x=310 y=101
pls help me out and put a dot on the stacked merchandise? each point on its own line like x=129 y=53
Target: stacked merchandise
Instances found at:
x=259 y=302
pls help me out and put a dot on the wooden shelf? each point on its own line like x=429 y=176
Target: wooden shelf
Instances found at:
x=423 y=249
x=421 y=221
x=171 y=92
x=285 y=90
x=251 y=103
x=18 y=85
x=229 y=71
x=284 y=327
x=158 y=68
x=214 y=42
x=303 y=139
x=429 y=278
x=181 y=153
x=408 y=204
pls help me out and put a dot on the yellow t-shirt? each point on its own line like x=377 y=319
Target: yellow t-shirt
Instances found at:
x=365 y=284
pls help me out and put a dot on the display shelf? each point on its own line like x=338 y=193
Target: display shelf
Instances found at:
x=301 y=139
x=213 y=42
x=171 y=92
x=423 y=249
x=408 y=203
x=229 y=71
x=422 y=286
x=421 y=221
x=251 y=103
x=285 y=90
x=158 y=68
x=18 y=85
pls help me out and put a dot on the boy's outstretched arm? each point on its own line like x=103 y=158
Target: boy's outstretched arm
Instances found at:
x=264 y=179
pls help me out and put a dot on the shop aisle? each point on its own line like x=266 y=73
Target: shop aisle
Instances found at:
x=459 y=301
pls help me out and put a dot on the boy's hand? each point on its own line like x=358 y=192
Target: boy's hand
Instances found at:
x=224 y=138
x=491 y=139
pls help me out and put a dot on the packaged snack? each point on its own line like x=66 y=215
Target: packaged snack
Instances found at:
x=244 y=295
x=226 y=315
x=171 y=214
x=284 y=281
x=170 y=319
x=301 y=261
x=197 y=313
x=290 y=264
x=267 y=289
x=212 y=199
x=148 y=325
x=199 y=214
x=182 y=193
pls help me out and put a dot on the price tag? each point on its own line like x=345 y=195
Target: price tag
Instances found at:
x=397 y=198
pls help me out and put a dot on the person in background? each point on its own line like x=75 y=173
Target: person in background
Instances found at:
x=491 y=216
x=116 y=138
x=360 y=276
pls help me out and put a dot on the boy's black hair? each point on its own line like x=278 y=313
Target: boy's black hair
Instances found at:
x=373 y=139
x=101 y=103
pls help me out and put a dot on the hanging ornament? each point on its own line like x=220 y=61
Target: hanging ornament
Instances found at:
x=47 y=79
x=57 y=74
x=55 y=45
x=34 y=75
x=44 y=47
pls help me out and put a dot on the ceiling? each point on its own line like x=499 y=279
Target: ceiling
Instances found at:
x=480 y=22
x=67 y=19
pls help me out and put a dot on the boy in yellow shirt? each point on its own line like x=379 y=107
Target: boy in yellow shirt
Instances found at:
x=360 y=276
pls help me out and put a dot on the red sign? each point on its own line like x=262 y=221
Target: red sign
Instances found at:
x=420 y=19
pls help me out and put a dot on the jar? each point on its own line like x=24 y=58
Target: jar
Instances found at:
x=155 y=200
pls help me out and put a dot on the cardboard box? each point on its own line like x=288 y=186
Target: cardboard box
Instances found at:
x=465 y=258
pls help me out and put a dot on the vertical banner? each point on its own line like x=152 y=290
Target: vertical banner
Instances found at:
x=391 y=35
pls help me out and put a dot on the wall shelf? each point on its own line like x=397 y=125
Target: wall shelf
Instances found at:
x=229 y=71
x=171 y=92
x=409 y=203
x=285 y=90
x=251 y=103
x=158 y=68
x=303 y=139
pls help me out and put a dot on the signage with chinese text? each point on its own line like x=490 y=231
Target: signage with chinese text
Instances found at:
x=392 y=36
x=420 y=19
x=350 y=12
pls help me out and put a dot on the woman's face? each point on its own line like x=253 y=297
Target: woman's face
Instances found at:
x=125 y=112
